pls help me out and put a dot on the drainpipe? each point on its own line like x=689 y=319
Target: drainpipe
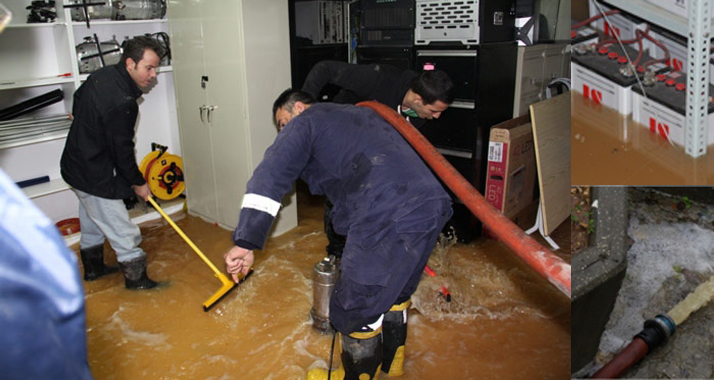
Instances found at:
x=541 y=259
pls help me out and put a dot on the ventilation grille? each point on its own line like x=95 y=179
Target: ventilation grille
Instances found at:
x=440 y=21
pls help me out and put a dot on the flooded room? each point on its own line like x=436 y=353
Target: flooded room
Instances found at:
x=294 y=189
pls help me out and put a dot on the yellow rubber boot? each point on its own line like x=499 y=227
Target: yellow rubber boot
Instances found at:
x=321 y=373
x=361 y=358
x=394 y=334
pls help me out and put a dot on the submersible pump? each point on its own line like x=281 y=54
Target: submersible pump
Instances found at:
x=323 y=283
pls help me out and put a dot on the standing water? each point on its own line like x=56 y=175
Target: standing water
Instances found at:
x=504 y=321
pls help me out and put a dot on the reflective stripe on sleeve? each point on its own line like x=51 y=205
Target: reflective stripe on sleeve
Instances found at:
x=261 y=203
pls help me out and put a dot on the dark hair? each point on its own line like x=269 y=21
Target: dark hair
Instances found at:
x=433 y=85
x=288 y=98
x=135 y=47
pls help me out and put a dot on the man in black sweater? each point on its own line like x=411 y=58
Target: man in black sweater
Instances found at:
x=100 y=164
x=416 y=96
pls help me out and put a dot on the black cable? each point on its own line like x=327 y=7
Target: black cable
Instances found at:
x=163 y=39
x=332 y=351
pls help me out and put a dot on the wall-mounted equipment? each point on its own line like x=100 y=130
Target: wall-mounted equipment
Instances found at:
x=118 y=10
x=93 y=55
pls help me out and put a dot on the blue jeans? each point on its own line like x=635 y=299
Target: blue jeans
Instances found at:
x=101 y=218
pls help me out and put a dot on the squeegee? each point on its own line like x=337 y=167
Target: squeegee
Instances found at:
x=228 y=284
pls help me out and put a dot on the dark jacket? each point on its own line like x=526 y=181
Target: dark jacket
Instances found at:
x=386 y=84
x=352 y=156
x=99 y=157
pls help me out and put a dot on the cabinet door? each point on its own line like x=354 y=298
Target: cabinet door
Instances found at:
x=188 y=62
x=225 y=66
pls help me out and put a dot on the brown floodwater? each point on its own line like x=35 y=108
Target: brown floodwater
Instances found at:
x=504 y=321
x=610 y=149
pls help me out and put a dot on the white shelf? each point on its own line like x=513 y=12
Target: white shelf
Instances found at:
x=34 y=140
x=117 y=22
x=35 y=25
x=47 y=188
x=24 y=83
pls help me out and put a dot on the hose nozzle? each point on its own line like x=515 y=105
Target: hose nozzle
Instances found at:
x=656 y=331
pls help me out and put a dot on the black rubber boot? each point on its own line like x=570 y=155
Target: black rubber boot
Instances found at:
x=361 y=356
x=394 y=335
x=93 y=262
x=135 y=274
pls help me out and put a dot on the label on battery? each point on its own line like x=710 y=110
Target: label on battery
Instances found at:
x=495 y=151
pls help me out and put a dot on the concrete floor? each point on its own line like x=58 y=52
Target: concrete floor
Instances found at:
x=671 y=252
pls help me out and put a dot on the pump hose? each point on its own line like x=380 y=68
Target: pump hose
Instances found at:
x=547 y=264
x=655 y=333
x=634 y=351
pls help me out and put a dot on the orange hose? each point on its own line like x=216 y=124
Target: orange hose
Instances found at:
x=547 y=264
x=634 y=351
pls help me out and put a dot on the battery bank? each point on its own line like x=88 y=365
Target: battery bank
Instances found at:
x=663 y=109
x=602 y=75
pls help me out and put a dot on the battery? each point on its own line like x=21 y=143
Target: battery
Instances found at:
x=605 y=76
x=584 y=35
x=678 y=53
x=621 y=25
x=663 y=109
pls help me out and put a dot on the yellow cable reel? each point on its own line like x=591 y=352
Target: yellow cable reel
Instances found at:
x=163 y=172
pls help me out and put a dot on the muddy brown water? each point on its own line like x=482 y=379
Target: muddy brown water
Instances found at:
x=610 y=149
x=504 y=321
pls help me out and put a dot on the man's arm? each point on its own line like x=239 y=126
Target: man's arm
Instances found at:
x=359 y=79
x=119 y=132
x=272 y=179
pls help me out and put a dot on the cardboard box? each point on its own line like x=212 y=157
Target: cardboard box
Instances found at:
x=511 y=173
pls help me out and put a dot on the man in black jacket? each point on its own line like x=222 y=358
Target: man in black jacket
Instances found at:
x=416 y=96
x=100 y=164
x=386 y=201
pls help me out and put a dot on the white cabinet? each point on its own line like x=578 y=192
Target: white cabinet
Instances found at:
x=38 y=58
x=231 y=60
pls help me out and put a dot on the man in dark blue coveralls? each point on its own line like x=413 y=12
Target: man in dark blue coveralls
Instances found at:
x=386 y=201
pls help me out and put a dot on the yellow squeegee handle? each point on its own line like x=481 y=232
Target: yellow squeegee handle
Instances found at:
x=188 y=241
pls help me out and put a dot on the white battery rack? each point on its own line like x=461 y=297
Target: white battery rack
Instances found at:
x=698 y=27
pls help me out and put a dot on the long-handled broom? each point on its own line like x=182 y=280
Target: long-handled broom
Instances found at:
x=227 y=286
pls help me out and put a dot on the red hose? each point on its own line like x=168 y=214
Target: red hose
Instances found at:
x=547 y=264
x=634 y=351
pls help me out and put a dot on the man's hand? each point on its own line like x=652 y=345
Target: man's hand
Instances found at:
x=142 y=191
x=238 y=260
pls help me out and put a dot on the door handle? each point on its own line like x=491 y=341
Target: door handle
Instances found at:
x=200 y=112
x=208 y=114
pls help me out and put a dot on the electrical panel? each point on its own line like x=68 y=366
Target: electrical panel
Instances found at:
x=322 y=22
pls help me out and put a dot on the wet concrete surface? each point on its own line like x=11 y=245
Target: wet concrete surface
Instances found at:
x=504 y=321
x=671 y=253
